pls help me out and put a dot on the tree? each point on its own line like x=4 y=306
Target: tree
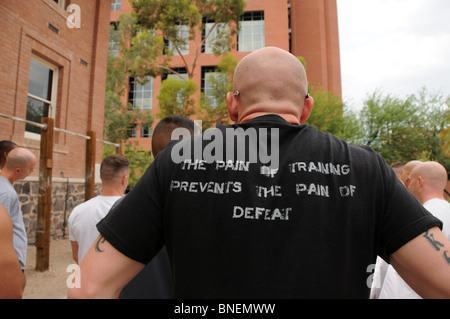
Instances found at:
x=119 y=116
x=327 y=113
x=158 y=30
x=221 y=84
x=175 y=97
x=406 y=129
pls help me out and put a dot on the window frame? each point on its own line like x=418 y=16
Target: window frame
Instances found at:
x=116 y=5
x=208 y=71
x=251 y=16
x=54 y=93
x=132 y=90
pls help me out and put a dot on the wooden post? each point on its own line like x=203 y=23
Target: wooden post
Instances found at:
x=44 y=197
x=121 y=149
x=90 y=166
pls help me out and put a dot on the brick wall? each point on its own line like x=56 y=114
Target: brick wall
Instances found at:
x=25 y=33
x=80 y=57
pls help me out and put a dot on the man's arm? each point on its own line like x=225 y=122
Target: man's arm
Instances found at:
x=12 y=280
x=424 y=263
x=104 y=271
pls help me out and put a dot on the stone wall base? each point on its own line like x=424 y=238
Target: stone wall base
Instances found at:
x=65 y=197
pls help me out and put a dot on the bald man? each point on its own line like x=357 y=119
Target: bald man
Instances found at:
x=427 y=182
x=235 y=227
x=406 y=170
x=20 y=163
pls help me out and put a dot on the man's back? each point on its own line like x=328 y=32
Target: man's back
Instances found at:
x=441 y=209
x=308 y=228
x=83 y=219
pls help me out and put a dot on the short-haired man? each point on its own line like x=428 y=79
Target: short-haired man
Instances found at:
x=20 y=163
x=114 y=173
x=155 y=281
x=163 y=131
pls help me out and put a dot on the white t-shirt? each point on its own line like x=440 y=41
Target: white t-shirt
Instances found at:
x=441 y=209
x=394 y=287
x=83 y=221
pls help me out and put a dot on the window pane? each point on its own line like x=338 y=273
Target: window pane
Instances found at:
x=116 y=4
x=141 y=95
x=40 y=80
x=35 y=111
x=252 y=33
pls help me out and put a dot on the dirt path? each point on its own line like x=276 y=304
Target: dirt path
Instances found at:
x=50 y=284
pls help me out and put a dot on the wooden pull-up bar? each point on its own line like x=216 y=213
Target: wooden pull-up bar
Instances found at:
x=46 y=185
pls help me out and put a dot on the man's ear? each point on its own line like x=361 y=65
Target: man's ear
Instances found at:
x=232 y=107
x=125 y=179
x=307 y=108
x=421 y=181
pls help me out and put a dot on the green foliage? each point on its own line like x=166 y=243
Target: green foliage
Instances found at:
x=175 y=97
x=400 y=129
x=221 y=85
x=139 y=160
x=327 y=113
x=118 y=117
x=406 y=129
x=154 y=23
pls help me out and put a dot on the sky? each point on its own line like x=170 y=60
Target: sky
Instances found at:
x=394 y=46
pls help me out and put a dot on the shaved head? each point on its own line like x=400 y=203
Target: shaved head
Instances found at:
x=433 y=172
x=406 y=170
x=270 y=80
x=428 y=180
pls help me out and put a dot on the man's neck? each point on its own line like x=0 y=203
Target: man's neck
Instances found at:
x=285 y=110
x=111 y=192
x=5 y=174
x=431 y=196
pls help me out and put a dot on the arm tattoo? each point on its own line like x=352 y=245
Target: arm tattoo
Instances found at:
x=437 y=245
x=433 y=242
x=447 y=257
x=101 y=240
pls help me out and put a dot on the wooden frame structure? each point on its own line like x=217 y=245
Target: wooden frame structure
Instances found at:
x=44 y=212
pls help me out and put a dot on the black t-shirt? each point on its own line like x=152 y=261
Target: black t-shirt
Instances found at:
x=309 y=223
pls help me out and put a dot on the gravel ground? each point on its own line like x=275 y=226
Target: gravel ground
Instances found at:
x=50 y=284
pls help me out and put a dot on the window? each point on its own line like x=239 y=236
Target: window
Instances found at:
x=251 y=36
x=146 y=131
x=131 y=131
x=141 y=95
x=183 y=46
x=42 y=93
x=214 y=35
x=181 y=71
x=114 y=40
x=210 y=79
x=116 y=5
x=62 y=3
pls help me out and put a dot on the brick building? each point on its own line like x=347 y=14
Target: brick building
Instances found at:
x=307 y=28
x=53 y=64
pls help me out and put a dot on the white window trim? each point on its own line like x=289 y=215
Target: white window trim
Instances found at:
x=54 y=97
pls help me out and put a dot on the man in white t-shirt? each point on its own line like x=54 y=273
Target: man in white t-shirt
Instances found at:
x=427 y=182
x=114 y=173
